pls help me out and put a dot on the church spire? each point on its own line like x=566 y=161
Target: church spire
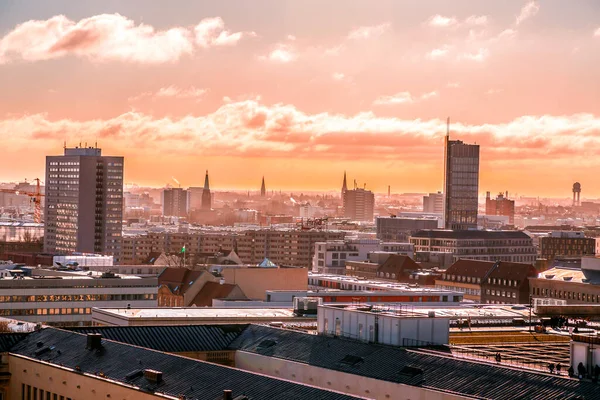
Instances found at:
x=344 y=186
x=263 y=189
x=206 y=196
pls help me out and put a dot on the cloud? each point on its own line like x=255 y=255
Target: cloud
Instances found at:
x=494 y=91
x=597 y=32
x=282 y=53
x=481 y=55
x=479 y=20
x=438 y=53
x=110 y=37
x=338 y=76
x=453 y=85
x=211 y=32
x=367 y=32
x=251 y=129
x=172 y=92
x=403 y=98
x=440 y=21
x=527 y=11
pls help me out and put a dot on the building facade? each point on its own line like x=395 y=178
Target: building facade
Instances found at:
x=509 y=246
x=461 y=184
x=359 y=204
x=489 y=282
x=400 y=229
x=566 y=243
x=501 y=205
x=433 y=203
x=84 y=203
x=175 y=202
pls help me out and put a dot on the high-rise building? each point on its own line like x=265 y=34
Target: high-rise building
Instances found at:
x=433 y=203
x=359 y=204
x=206 y=196
x=176 y=202
x=84 y=202
x=195 y=197
x=461 y=183
x=501 y=205
x=263 y=189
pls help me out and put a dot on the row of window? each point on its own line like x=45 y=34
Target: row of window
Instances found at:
x=76 y=297
x=29 y=392
x=500 y=293
x=566 y=295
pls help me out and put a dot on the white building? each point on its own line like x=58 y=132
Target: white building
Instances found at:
x=68 y=298
x=382 y=325
x=83 y=260
x=330 y=257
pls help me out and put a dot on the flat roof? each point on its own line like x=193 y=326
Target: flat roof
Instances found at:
x=200 y=313
x=452 y=312
x=377 y=283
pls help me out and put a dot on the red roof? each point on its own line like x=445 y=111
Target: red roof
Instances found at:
x=178 y=280
x=210 y=291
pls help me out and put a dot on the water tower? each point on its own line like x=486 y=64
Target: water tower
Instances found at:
x=576 y=194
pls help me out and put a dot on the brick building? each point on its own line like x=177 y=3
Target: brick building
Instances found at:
x=501 y=205
x=563 y=243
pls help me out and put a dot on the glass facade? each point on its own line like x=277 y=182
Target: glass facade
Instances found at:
x=461 y=181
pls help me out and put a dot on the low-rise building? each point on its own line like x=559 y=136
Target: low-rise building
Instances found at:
x=509 y=246
x=68 y=298
x=489 y=282
x=566 y=243
x=396 y=267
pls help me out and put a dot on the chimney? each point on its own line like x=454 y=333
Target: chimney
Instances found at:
x=227 y=394
x=487 y=195
x=506 y=195
x=153 y=376
x=94 y=341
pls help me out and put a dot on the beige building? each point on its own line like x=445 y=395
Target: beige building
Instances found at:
x=283 y=247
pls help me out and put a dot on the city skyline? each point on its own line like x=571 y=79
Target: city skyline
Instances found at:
x=216 y=87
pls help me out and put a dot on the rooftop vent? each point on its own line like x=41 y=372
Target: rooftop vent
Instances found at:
x=227 y=395
x=549 y=276
x=134 y=374
x=265 y=344
x=153 y=375
x=41 y=351
x=410 y=371
x=567 y=278
x=94 y=341
x=351 y=360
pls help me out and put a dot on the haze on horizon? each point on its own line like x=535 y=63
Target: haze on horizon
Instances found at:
x=299 y=91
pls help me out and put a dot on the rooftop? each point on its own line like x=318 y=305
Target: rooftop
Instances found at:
x=182 y=376
x=412 y=367
x=200 y=313
x=376 y=283
x=563 y=274
x=473 y=234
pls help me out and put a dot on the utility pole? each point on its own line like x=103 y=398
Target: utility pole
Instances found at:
x=530 y=308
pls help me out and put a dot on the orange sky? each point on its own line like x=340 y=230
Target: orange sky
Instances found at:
x=299 y=91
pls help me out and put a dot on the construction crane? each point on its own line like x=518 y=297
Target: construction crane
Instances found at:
x=36 y=199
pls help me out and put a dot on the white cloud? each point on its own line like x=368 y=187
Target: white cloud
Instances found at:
x=477 y=20
x=404 y=98
x=527 y=11
x=597 y=32
x=282 y=53
x=338 y=76
x=440 y=21
x=494 y=91
x=109 y=37
x=291 y=37
x=367 y=32
x=453 y=85
x=438 y=53
x=481 y=55
x=172 y=92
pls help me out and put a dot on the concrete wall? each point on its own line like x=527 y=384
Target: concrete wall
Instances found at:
x=335 y=380
x=254 y=282
x=66 y=382
x=585 y=353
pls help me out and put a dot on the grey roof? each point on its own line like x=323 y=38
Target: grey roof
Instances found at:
x=7 y=340
x=171 y=339
x=412 y=367
x=470 y=234
x=181 y=376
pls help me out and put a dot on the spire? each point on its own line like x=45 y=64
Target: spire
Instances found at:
x=206 y=186
x=344 y=186
x=448 y=127
x=263 y=189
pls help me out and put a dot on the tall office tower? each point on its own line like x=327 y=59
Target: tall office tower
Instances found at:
x=263 y=189
x=84 y=202
x=359 y=205
x=206 y=196
x=176 y=202
x=461 y=183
